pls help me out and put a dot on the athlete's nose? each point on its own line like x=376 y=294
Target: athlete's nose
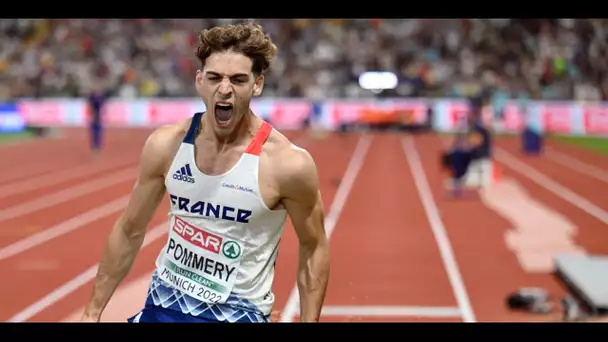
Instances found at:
x=225 y=88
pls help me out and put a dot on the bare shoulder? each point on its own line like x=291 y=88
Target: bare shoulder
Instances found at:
x=162 y=144
x=294 y=167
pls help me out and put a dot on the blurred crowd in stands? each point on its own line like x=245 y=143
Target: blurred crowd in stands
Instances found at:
x=532 y=58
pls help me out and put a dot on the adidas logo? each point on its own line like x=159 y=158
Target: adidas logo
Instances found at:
x=184 y=174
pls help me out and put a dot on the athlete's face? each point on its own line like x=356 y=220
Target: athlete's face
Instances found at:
x=227 y=85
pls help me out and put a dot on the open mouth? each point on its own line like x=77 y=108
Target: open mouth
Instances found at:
x=223 y=114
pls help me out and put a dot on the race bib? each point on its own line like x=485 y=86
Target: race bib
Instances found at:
x=201 y=264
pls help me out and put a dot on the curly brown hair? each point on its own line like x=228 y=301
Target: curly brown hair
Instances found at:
x=246 y=38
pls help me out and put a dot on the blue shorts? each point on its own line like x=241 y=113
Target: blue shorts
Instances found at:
x=459 y=160
x=167 y=304
x=160 y=315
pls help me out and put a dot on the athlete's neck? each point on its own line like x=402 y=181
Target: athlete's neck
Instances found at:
x=243 y=129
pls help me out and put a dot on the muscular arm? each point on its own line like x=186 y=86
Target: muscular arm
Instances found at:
x=127 y=235
x=302 y=199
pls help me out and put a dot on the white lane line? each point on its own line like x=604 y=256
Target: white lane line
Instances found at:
x=67 y=194
x=577 y=165
x=391 y=311
x=63 y=228
x=58 y=176
x=79 y=281
x=438 y=228
x=352 y=170
x=541 y=179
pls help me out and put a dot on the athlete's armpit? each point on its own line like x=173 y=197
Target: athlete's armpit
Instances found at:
x=302 y=200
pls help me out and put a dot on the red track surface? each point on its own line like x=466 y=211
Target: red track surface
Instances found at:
x=386 y=253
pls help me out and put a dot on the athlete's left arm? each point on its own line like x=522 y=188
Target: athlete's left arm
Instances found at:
x=302 y=199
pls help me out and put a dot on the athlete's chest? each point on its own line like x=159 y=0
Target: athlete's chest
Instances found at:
x=229 y=186
x=216 y=164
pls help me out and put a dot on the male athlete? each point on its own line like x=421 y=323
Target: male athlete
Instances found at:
x=232 y=180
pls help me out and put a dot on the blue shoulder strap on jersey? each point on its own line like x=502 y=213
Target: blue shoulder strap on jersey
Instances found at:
x=196 y=120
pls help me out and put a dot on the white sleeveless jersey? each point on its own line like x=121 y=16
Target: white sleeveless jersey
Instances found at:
x=218 y=262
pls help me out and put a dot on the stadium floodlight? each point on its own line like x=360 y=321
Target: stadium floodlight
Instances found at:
x=377 y=81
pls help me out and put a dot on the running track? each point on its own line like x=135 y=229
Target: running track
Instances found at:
x=401 y=249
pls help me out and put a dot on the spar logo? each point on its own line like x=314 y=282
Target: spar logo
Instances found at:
x=197 y=236
x=211 y=242
x=231 y=250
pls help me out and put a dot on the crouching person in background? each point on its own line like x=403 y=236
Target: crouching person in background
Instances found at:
x=456 y=162
x=479 y=172
x=469 y=161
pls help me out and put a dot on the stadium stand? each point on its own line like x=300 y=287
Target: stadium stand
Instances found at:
x=533 y=58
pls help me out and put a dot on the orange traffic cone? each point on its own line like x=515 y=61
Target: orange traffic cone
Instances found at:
x=496 y=172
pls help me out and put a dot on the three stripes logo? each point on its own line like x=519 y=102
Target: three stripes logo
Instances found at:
x=184 y=174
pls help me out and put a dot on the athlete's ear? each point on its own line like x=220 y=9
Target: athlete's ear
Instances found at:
x=198 y=80
x=258 y=86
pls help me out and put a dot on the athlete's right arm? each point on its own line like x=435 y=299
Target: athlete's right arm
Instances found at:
x=127 y=235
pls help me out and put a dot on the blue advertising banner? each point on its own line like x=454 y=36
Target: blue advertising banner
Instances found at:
x=11 y=120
